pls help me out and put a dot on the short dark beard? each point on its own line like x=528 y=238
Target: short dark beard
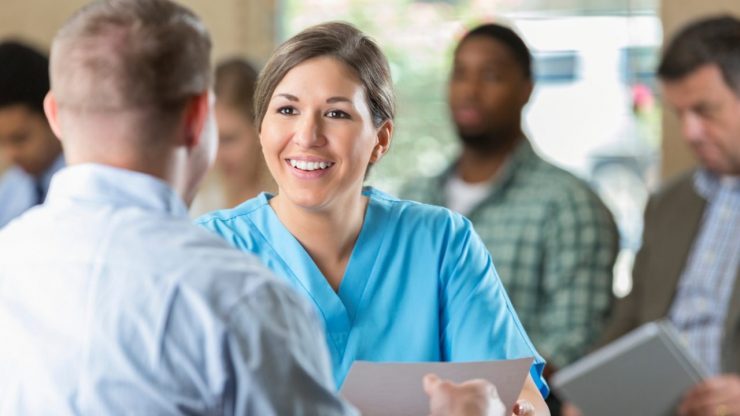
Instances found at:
x=489 y=143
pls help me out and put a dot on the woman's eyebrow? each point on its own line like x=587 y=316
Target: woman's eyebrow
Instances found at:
x=289 y=97
x=338 y=99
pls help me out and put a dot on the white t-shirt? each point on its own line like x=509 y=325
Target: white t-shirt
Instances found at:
x=462 y=196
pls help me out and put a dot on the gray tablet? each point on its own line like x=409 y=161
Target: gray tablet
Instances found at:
x=646 y=372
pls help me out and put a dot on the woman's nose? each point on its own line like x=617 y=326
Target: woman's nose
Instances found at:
x=308 y=132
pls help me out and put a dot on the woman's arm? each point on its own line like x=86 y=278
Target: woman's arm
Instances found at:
x=530 y=402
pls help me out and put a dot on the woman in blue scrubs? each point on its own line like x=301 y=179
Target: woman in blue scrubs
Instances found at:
x=392 y=280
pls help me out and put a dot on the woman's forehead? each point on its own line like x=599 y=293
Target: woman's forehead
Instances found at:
x=324 y=74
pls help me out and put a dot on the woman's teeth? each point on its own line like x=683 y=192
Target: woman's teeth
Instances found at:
x=309 y=166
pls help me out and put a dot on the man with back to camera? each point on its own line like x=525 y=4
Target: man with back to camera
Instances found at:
x=26 y=140
x=115 y=302
x=552 y=240
x=689 y=265
x=111 y=301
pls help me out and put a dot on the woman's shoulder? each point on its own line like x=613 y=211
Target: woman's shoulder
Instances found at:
x=244 y=209
x=413 y=214
x=236 y=217
x=240 y=226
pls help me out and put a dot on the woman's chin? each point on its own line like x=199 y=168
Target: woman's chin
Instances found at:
x=305 y=199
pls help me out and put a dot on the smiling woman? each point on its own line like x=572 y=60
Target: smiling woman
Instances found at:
x=393 y=280
x=325 y=123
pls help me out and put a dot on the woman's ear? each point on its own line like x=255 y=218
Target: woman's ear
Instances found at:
x=384 y=135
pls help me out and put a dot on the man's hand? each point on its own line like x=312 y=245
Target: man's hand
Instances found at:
x=717 y=396
x=524 y=408
x=471 y=398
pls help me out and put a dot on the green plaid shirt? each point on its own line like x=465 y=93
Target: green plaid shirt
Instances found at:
x=553 y=243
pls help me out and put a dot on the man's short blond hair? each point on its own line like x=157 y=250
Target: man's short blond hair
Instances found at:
x=148 y=56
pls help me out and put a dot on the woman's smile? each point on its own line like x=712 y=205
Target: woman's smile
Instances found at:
x=309 y=168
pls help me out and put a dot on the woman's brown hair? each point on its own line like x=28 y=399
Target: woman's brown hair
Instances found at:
x=343 y=42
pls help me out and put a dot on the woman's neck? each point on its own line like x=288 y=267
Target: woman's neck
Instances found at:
x=328 y=234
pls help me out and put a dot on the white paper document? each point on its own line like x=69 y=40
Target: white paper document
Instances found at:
x=395 y=389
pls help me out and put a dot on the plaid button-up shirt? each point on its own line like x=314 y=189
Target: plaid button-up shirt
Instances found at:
x=553 y=243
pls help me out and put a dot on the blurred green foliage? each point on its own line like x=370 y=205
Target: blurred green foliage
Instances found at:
x=423 y=141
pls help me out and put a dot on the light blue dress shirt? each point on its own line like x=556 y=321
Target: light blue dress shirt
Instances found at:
x=703 y=296
x=112 y=302
x=18 y=190
x=419 y=285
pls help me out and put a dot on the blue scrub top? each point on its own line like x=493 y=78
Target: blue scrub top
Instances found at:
x=419 y=286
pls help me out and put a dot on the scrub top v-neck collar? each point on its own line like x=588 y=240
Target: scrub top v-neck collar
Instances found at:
x=338 y=309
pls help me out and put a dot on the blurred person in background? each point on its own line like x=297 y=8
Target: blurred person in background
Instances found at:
x=688 y=267
x=27 y=144
x=552 y=240
x=240 y=172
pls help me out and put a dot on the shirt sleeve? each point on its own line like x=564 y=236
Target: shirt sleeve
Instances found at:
x=581 y=244
x=478 y=321
x=258 y=352
x=280 y=361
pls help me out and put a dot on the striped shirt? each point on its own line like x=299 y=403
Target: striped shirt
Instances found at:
x=703 y=295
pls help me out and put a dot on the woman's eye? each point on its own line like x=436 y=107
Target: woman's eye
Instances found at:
x=337 y=114
x=287 y=111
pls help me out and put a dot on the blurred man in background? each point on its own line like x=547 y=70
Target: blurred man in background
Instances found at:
x=27 y=144
x=689 y=265
x=552 y=240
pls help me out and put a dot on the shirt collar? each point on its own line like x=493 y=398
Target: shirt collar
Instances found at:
x=731 y=182
x=102 y=183
x=521 y=155
x=708 y=184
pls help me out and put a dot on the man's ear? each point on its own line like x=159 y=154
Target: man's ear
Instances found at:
x=385 y=134
x=51 y=109
x=527 y=92
x=196 y=114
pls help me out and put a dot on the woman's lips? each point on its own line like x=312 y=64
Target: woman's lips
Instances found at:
x=309 y=168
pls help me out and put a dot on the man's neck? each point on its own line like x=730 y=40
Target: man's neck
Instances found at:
x=475 y=167
x=169 y=165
